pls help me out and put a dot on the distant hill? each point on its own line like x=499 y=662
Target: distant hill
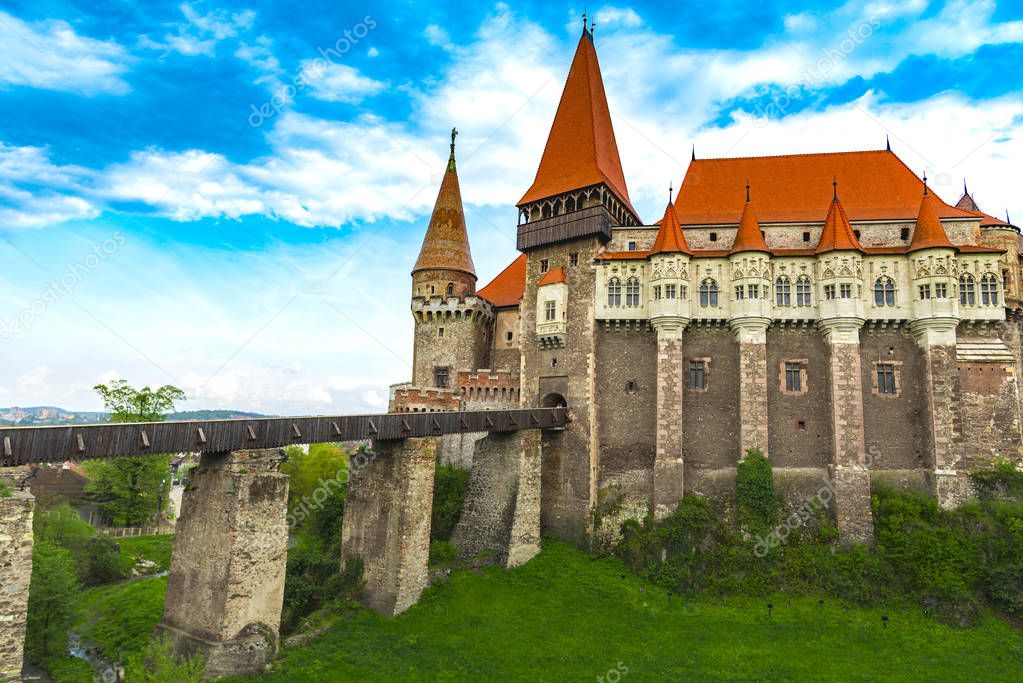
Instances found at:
x=43 y=416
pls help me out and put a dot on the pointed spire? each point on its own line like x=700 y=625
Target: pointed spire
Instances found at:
x=967 y=202
x=838 y=234
x=694 y=152
x=887 y=143
x=929 y=233
x=926 y=192
x=1007 y=219
x=670 y=238
x=581 y=149
x=446 y=245
x=749 y=236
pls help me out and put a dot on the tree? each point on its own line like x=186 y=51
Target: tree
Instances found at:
x=130 y=491
x=51 y=600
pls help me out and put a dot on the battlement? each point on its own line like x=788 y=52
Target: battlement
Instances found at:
x=437 y=307
x=485 y=387
x=406 y=398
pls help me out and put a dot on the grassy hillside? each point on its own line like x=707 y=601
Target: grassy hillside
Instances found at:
x=565 y=616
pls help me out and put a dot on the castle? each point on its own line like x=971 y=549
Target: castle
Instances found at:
x=827 y=309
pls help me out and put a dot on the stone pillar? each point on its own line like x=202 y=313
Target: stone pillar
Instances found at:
x=669 y=468
x=937 y=340
x=850 y=477
x=225 y=591
x=15 y=576
x=751 y=334
x=388 y=509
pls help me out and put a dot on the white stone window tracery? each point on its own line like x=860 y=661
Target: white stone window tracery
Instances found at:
x=884 y=291
x=632 y=292
x=614 y=292
x=783 y=291
x=709 y=293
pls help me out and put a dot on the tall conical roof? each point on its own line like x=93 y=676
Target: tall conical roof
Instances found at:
x=670 y=237
x=928 y=234
x=749 y=237
x=446 y=245
x=581 y=150
x=838 y=234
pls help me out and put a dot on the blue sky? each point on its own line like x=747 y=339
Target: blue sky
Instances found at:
x=173 y=209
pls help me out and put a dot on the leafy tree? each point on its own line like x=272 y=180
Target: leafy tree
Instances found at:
x=158 y=664
x=308 y=471
x=130 y=491
x=449 y=487
x=51 y=601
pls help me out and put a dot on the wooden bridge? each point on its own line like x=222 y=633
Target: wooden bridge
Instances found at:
x=36 y=445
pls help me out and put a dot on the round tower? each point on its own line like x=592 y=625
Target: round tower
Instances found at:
x=453 y=324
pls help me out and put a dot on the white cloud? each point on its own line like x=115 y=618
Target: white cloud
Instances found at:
x=50 y=55
x=338 y=82
x=435 y=35
x=200 y=33
x=618 y=16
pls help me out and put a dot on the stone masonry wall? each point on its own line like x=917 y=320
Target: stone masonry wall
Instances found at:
x=15 y=577
x=668 y=464
x=893 y=423
x=710 y=420
x=753 y=418
x=465 y=344
x=799 y=422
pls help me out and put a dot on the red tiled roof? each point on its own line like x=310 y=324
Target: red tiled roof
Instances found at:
x=669 y=237
x=749 y=237
x=506 y=289
x=838 y=234
x=552 y=276
x=876 y=185
x=581 y=150
x=928 y=233
x=446 y=245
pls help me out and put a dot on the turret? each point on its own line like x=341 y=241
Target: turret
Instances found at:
x=840 y=263
x=934 y=270
x=750 y=261
x=669 y=272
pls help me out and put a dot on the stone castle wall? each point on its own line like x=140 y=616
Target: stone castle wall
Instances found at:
x=15 y=576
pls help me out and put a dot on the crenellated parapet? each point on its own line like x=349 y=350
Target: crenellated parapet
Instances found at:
x=406 y=398
x=439 y=308
x=482 y=388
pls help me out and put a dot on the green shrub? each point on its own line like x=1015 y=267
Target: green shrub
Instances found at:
x=5 y=491
x=346 y=583
x=159 y=664
x=100 y=561
x=51 y=601
x=754 y=493
x=999 y=480
x=1004 y=588
x=449 y=488
x=442 y=553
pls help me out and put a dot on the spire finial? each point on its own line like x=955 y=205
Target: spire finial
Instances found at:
x=1007 y=219
x=887 y=143
x=694 y=151
x=965 y=191
x=584 y=20
x=747 y=189
x=671 y=190
x=451 y=159
x=925 y=184
x=834 y=184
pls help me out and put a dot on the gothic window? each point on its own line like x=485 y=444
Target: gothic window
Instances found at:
x=451 y=289
x=967 y=290
x=440 y=377
x=549 y=311
x=846 y=290
x=989 y=290
x=884 y=291
x=740 y=292
x=925 y=292
x=803 y=291
x=669 y=291
x=614 y=292
x=886 y=378
x=941 y=291
x=829 y=292
x=698 y=374
x=753 y=291
x=709 y=293
x=783 y=291
x=632 y=292
x=657 y=291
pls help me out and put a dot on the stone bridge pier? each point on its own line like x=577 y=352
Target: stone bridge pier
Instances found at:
x=225 y=591
x=15 y=576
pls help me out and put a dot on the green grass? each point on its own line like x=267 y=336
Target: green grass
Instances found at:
x=120 y=618
x=153 y=548
x=565 y=616
x=70 y=670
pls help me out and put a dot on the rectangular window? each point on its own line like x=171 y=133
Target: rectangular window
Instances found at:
x=925 y=292
x=754 y=291
x=885 y=378
x=740 y=292
x=846 y=291
x=682 y=292
x=657 y=291
x=669 y=291
x=440 y=378
x=573 y=258
x=632 y=246
x=829 y=291
x=941 y=291
x=549 y=311
x=440 y=332
x=793 y=378
x=544 y=265
x=697 y=374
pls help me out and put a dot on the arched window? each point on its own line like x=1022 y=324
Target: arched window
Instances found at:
x=632 y=292
x=709 y=292
x=967 y=290
x=451 y=289
x=614 y=292
x=803 y=291
x=989 y=290
x=884 y=291
x=783 y=291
